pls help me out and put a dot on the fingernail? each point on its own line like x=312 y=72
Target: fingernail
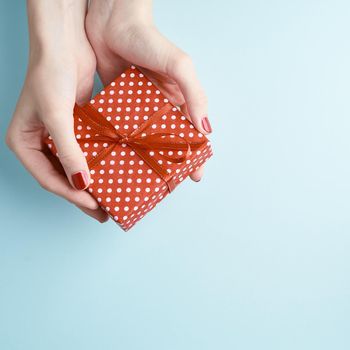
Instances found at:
x=80 y=180
x=206 y=125
x=102 y=221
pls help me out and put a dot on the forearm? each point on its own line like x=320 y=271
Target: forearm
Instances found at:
x=124 y=10
x=54 y=24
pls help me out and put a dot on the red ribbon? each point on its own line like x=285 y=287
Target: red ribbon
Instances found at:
x=140 y=142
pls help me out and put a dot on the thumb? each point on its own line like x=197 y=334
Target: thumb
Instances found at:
x=61 y=129
x=180 y=68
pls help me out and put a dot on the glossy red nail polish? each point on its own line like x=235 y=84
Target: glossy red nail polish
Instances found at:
x=206 y=125
x=80 y=180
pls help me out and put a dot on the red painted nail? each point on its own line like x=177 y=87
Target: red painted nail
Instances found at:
x=80 y=180
x=206 y=125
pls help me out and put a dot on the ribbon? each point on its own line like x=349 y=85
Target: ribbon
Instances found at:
x=140 y=142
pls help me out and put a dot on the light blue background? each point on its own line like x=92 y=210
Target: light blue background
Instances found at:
x=259 y=255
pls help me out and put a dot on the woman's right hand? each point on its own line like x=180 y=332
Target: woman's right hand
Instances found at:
x=122 y=33
x=60 y=72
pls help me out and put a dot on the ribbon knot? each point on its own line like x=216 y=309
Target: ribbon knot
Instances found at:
x=124 y=139
x=177 y=148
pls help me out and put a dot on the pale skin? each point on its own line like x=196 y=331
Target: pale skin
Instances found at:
x=68 y=42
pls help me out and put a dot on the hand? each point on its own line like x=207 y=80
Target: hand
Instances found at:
x=122 y=32
x=60 y=71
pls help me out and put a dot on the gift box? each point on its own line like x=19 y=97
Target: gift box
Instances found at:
x=138 y=146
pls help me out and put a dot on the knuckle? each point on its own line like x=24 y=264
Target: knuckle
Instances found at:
x=67 y=194
x=180 y=63
x=68 y=157
x=45 y=185
x=202 y=98
x=51 y=120
x=10 y=140
x=199 y=101
x=52 y=116
x=55 y=113
x=72 y=158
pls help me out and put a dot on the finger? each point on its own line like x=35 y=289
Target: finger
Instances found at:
x=181 y=69
x=97 y=214
x=50 y=179
x=197 y=174
x=61 y=129
x=166 y=85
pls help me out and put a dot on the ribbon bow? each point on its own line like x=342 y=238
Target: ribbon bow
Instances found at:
x=140 y=142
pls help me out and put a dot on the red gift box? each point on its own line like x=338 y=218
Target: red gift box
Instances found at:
x=138 y=146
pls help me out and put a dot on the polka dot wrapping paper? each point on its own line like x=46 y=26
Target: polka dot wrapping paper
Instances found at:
x=155 y=147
